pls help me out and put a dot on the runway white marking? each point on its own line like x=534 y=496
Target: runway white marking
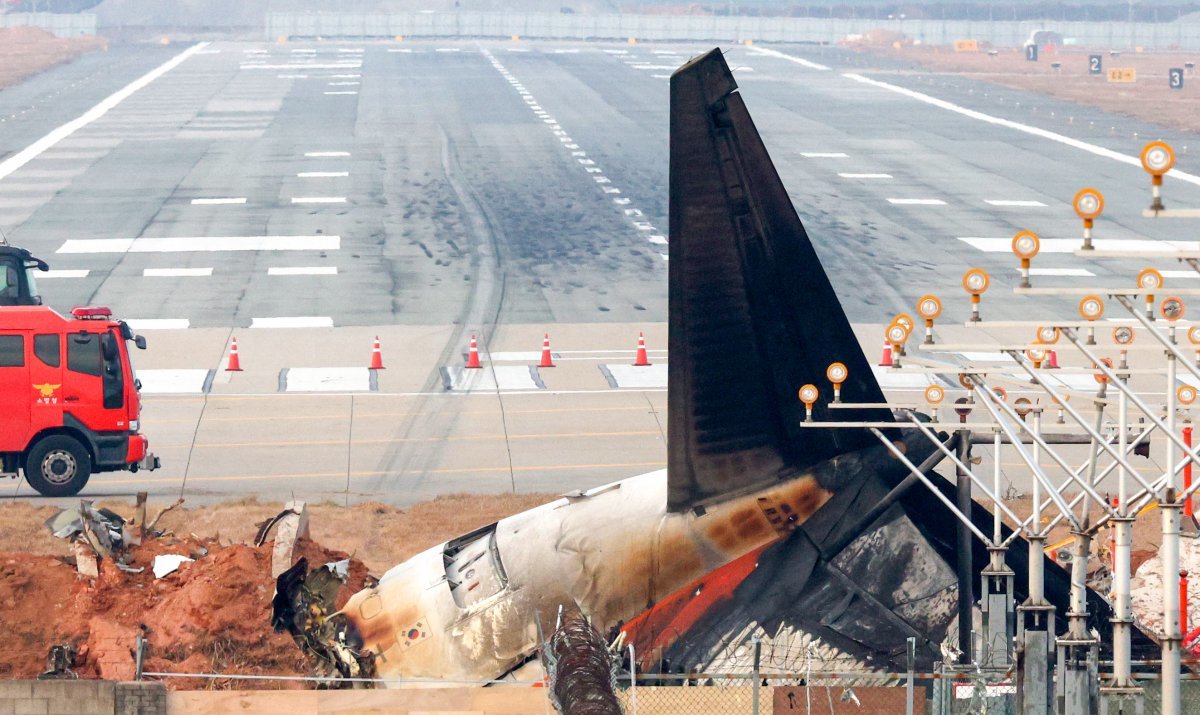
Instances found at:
x=1061 y=272
x=653 y=67
x=61 y=273
x=405 y=50
x=195 y=381
x=345 y=76
x=291 y=76
x=986 y=356
x=763 y=52
x=303 y=271
x=661 y=240
x=901 y=380
x=159 y=323
x=219 y=202
x=29 y=153
x=491 y=378
x=320 y=154
x=630 y=377
x=1014 y=202
x=447 y=49
x=865 y=176
x=341 y=92
x=1070 y=245
x=1180 y=274
x=824 y=155
x=326 y=379
x=176 y=272
x=516 y=49
x=318 y=199
x=305 y=66
x=302 y=321
x=344 y=84
x=201 y=244
x=1035 y=131
x=917 y=202
x=352 y=50
x=615 y=52
x=661 y=76
x=322 y=174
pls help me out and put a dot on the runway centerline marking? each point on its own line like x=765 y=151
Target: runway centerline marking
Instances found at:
x=219 y=201
x=1035 y=131
x=824 y=155
x=864 y=176
x=322 y=174
x=29 y=153
x=176 y=272
x=62 y=273
x=341 y=93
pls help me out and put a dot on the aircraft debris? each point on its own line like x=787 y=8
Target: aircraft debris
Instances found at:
x=581 y=669
x=303 y=605
x=59 y=662
x=289 y=525
x=165 y=564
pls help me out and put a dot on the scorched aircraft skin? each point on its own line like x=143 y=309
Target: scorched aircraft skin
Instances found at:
x=757 y=526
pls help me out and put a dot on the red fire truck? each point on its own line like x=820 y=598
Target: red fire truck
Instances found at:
x=69 y=401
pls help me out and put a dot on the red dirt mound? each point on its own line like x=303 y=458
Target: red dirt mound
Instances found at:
x=212 y=615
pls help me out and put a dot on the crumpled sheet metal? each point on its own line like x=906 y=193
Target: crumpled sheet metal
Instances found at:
x=302 y=606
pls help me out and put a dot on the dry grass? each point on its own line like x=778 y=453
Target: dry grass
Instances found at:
x=378 y=534
x=25 y=51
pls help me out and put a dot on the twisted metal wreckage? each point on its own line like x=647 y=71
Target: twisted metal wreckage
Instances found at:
x=756 y=529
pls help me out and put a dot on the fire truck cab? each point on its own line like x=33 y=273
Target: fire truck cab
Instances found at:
x=69 y=401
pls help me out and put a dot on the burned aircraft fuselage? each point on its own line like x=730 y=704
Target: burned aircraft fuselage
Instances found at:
x=469 y=609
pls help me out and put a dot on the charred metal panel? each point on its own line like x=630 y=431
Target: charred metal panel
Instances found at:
x=752 y=313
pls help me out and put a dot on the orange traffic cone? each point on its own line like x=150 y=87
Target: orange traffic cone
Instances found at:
x=235 y=363
x=1051 y=360
x=886 y=360
x=546 y=359
x=376 y=356
x=473 y=356
x=641 y=360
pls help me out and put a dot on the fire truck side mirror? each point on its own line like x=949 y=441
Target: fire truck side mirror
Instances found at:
x=140 y=342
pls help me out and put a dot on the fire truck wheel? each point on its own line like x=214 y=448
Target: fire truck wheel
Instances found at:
x=58 y=466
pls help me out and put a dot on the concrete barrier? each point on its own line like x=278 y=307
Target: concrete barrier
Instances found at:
x=82 y=697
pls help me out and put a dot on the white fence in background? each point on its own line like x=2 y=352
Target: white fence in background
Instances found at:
x=1184 y=35
x=60 y=24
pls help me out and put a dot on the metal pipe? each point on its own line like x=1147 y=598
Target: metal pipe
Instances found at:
x=964 y=551
x=912 y=468
x=1075 y=414
x=945 y=448
x=990 y=403
x=1122 y=619
x=996 y=489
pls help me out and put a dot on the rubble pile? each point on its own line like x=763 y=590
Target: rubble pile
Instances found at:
x=203 y=605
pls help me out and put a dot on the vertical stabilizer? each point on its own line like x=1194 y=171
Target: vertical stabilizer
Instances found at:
x=752 y=313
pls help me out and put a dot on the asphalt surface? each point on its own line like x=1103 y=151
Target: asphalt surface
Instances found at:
x=434 y=190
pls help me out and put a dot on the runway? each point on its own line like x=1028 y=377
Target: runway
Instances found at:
x=305 y=197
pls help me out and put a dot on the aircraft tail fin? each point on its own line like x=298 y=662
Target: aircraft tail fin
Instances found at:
x=752 y=314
